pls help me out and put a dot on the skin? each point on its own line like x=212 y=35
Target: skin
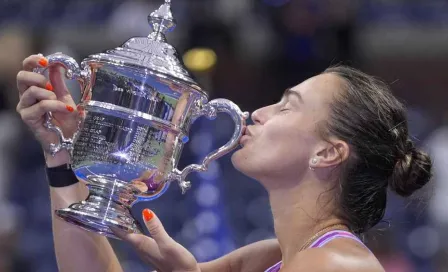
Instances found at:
x=278 y=151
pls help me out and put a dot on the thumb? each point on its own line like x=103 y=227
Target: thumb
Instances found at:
x=155 y=227
x=57 y=78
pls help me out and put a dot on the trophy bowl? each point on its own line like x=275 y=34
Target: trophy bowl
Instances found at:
x=137 y=104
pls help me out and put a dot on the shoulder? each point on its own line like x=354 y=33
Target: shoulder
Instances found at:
x=330 y=260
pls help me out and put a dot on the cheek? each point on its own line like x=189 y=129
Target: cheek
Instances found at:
x=287 y=136
x=275 y=151
x=281 y=149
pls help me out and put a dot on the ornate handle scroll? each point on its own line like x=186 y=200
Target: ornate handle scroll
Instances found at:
x=210 y=110
x=72 y=72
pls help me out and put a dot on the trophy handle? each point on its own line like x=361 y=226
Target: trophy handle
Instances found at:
x=210 y=111
x=72 y=72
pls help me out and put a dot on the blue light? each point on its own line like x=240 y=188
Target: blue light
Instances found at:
x=276 y=3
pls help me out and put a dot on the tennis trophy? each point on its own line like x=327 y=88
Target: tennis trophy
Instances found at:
x=137 y=104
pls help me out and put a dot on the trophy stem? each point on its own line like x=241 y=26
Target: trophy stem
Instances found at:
x=107 y=205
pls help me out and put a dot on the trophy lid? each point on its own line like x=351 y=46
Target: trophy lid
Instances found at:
x=152 y=53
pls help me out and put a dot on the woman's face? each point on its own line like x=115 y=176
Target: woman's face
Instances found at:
x=284 y=137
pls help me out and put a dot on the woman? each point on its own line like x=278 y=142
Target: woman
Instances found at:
x=326 y=153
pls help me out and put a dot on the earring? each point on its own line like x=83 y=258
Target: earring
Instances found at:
x=313 y=162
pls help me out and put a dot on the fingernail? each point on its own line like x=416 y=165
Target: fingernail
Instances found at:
x=49 y=87
x=147 y=215
x=43 y=62
x=69 y=108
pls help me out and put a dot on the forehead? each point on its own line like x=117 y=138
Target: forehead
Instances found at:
x=320 y=88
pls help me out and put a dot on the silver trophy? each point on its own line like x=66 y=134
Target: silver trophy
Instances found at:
x=138 y=102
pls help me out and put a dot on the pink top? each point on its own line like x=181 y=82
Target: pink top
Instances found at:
x=323 y=240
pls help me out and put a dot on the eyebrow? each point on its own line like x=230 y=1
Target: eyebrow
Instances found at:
x=289 y=92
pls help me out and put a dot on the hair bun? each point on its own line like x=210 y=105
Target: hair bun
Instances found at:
x=411 y=172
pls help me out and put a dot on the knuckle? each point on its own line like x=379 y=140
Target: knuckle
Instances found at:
x=20 y=75
x=155 y=230
x=38 y=93
x=42 y=80
x=52 y=96
x=44 y=105
x=32 y=91
x=26 y=62
x=140 y=244
x=23 y=116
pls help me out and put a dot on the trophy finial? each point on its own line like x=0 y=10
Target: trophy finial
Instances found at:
x=161 y=21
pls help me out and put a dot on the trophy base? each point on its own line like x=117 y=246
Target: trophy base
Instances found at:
x=101 y=210
x=95 y=223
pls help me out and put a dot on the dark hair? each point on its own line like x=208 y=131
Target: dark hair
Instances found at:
x=373 y=122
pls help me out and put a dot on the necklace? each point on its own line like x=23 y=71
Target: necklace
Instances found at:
x=319 y=233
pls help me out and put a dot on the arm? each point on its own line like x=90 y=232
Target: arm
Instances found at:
x=166 y=255
x=76 y=249
x=254 y=257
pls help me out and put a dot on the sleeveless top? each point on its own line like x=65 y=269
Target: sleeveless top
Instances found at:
x=323 y=240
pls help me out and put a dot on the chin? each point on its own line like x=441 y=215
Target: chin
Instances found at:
x=242 y=162
x=237 y=159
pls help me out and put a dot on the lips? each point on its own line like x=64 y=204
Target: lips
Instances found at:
x=247 y=131
x=244 y=139
x=246 y=136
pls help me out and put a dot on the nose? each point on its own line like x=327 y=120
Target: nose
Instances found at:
x=257 y=116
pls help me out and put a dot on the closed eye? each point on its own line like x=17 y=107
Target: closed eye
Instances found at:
x=285 y=106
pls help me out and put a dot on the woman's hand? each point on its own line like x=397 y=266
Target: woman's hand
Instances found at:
x=160 y=250
x=38 y=95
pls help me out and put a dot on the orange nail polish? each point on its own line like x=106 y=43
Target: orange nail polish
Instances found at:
x=49 y=87
x=147 y=215
x=69 y=108
x=43 y=62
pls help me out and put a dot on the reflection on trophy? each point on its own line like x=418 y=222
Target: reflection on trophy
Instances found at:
x=138 y=102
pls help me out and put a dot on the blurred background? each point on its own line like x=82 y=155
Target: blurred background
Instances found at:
x=248 y=51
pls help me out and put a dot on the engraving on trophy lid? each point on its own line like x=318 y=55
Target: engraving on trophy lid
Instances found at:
x=148 y=46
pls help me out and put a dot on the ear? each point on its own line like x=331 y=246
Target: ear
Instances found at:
x=331 y=153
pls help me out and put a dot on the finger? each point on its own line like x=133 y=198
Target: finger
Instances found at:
x=139 y=241
x=27 y=79
x=155 y=228
x=33 y=95
x=36 y=111
x=55 y=74
x=34 y=61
